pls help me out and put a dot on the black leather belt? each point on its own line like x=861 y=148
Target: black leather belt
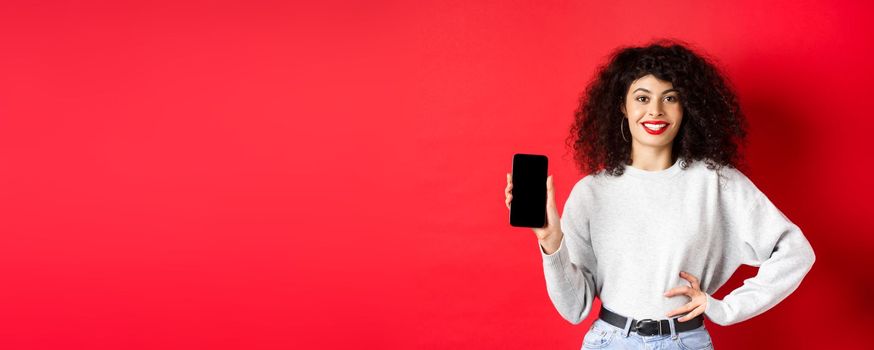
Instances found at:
x=650 y=327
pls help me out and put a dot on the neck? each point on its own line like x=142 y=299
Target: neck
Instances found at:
x=652 y=159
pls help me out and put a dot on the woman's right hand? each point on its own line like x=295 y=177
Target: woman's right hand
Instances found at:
x=550 y=234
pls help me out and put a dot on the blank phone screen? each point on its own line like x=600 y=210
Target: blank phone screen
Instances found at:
x=528 y=207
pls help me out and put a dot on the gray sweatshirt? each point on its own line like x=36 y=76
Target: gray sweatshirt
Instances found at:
x=626 y=239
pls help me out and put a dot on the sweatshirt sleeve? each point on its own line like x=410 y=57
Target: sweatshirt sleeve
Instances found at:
x=569 y=275
x=764 y=237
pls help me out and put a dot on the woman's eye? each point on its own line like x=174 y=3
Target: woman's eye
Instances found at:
x=640 y=98
x=671 y=98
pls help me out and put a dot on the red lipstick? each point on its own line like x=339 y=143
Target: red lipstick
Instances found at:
x=657 y=124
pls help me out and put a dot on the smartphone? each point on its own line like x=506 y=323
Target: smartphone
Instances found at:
x=528 y=207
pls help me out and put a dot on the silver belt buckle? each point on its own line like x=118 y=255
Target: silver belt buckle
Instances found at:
x=643 y=323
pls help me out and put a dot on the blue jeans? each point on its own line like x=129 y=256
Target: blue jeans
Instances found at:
x=603 y=335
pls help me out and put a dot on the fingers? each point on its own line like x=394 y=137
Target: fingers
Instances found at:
x=508 y=191
x=698 y=303
x=681 y=290
x=682 y=309
x=698 y=310
x=692 y=279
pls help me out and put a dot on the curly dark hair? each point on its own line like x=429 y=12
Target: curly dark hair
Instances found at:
x=713 y=128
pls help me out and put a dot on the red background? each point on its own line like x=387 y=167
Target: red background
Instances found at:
x=271 y=175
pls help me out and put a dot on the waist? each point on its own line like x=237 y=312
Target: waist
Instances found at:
x=649 y=327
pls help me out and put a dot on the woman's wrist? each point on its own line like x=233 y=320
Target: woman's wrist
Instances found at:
x=551 y=242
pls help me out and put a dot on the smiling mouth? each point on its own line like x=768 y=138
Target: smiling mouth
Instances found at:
x=655 y=128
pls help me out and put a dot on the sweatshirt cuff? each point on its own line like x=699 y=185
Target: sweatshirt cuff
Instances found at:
x=557 y=257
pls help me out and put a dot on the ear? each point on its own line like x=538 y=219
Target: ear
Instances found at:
x=622 y=108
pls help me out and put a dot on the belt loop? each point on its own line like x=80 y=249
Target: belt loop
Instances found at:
x=673 y=328
x=627 y=329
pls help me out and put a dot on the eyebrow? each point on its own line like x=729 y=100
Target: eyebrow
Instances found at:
x=649 y=92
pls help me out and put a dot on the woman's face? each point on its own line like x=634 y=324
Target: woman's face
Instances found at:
x=652 y=102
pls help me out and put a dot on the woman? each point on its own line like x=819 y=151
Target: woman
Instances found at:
x=664 y=217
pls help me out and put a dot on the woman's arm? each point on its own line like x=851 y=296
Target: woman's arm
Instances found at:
x=766 y=238
x=568 y=271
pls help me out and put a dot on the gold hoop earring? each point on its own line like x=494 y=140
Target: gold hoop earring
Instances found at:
x=622 y=129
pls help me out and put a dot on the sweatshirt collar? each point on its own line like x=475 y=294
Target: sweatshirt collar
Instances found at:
x=657 y=174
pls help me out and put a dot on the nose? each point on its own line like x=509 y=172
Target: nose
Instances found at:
x=656 y=110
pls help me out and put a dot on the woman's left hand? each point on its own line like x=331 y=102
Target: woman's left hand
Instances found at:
x=694 y=307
